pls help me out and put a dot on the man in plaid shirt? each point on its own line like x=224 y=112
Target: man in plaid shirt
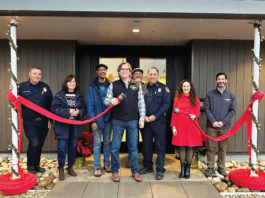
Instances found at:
x=125 y=117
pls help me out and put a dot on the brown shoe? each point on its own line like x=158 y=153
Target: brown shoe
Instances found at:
x=97 y=172
x=61 y=173
x=137 y=177
x=107 y=168
x=71 y=171
x=115 y=177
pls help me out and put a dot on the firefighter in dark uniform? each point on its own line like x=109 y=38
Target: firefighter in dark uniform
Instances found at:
x=35 y=125
x=157 y=101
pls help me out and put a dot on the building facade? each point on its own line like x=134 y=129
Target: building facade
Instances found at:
x=186 y=39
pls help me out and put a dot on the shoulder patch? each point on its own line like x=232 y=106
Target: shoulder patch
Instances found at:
x=167 y=89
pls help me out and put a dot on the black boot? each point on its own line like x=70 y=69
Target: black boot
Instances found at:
x=182 y=171
x=187 y=171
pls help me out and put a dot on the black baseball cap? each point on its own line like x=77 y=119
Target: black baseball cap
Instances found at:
x=102 y=65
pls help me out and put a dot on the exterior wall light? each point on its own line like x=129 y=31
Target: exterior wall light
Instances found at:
x=136 y=30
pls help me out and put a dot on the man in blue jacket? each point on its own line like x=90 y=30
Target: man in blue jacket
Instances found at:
x=97 y=92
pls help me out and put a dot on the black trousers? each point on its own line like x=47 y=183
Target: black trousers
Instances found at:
x=157 y=131
x=36 y=132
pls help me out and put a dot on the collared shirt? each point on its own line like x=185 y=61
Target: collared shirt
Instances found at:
x=220 y=107
x=221 y=90
x=157 y=99
x=141 y=103
x=39 y=94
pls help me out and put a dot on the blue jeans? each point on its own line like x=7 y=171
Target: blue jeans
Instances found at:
x=67 y=146
x=106 y=132
x=132 y=139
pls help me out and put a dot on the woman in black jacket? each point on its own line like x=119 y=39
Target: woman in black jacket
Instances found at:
x=68 y=103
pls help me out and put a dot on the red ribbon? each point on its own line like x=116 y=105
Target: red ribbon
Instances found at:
x=20 y=100
x=16 y=101
x=246 y=117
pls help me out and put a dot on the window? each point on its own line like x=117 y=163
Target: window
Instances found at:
x=159 y=63
x=112 y=64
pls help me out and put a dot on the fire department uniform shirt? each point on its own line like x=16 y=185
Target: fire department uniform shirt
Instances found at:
x=39 y=94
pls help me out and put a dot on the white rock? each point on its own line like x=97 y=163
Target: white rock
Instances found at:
x=204 y=167
x=221 y=186
x=245 y=190
x=229 y=165
x=45 y=175
x=51 y=165
x=237 y=166
x=39 y=174
x=219 y=175
x=233 y=162
x=231 y=189
x=216 y=180
x=4 y=165
x=262 y=163
x=215 y=166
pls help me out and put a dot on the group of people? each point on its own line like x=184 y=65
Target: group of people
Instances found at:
x=220 y=107
x=144 y=108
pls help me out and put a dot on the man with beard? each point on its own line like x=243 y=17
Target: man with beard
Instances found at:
x=220 y=107
x=137 y=75
x=96 y=95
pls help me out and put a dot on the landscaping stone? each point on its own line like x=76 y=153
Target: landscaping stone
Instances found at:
x=215 y=180
x=229 y=164
x=221 y=186
x=45 y=181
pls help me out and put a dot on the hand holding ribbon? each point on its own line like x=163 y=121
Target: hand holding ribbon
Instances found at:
x=246 y=117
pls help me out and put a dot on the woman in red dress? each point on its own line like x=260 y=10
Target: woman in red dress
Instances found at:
x=185 y=134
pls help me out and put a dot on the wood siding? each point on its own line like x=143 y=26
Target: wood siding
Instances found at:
x=234 y=58
x=57 y=58
x=200 y=61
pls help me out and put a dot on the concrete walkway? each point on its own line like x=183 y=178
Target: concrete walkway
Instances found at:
x=86 y=185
